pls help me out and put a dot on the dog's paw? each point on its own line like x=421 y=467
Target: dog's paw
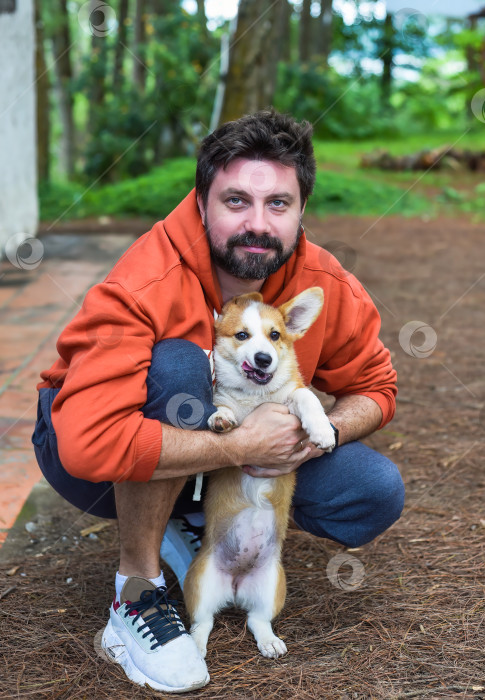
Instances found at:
x=322 y=436
x=222 y=421
x=272 y=648
x=200 y=638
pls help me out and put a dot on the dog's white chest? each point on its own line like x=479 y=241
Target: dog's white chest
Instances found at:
x=249 y=541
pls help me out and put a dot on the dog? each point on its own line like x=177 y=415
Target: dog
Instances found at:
x=239 y=561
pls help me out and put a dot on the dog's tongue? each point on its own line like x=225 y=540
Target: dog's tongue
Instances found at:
x=256 y=374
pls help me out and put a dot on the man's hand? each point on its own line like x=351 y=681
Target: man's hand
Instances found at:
x=308 y=452
x=272 y=438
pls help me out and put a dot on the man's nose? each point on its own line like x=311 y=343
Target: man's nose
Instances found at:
x=257 y=220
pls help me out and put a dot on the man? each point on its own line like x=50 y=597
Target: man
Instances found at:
x=134 y=373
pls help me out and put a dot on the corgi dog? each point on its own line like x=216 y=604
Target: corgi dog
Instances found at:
x=239 y=562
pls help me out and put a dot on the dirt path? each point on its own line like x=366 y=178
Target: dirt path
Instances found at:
x=412 y=625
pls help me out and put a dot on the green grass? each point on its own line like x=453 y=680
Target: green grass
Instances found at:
x=355 y=194
x=347 y=154
x=342 y=187
x=151 y=195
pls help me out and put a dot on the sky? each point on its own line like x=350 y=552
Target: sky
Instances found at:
x=219 y=10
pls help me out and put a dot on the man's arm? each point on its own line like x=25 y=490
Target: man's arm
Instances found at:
x=269 y=436
x=354 y=416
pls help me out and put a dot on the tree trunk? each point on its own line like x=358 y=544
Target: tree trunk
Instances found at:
x=99 y=45
x=42 y=88
x=221 y=85
x=139 y=68
x=253 y=58
x=387 y=57
x=305 y=34
x=120 y=45
x=61 y=42
x=285 y=48
x=323 y=38
x=202 y=18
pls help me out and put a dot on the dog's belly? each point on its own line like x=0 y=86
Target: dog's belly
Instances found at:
x=248 y=543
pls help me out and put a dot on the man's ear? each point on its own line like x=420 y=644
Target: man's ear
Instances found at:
x=299 y=313
x=201 y=206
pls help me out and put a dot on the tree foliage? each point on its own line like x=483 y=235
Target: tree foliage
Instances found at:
x=133 y=82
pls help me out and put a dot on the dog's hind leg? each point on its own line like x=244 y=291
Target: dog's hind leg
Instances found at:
x=262 y=593
x=206 y=591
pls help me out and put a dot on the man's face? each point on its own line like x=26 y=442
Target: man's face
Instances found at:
x=253 y=217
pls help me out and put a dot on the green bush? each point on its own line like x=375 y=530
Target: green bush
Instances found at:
x=153 y=195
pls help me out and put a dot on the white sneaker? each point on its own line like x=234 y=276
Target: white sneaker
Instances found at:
x=146 y=636
x=180 y=544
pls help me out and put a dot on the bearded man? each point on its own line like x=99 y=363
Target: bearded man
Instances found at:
x=122 y=422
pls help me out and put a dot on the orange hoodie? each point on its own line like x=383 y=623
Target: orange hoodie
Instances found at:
x=164 y=287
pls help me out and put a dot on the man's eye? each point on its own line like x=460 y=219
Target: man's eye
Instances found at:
x=242 y=335
x=274 y=335
x=279 y=203
x=234 y=200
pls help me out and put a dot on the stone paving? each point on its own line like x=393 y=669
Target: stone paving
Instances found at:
x=38 y=296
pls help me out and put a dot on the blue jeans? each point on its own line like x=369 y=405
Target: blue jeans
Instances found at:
x=350 y=495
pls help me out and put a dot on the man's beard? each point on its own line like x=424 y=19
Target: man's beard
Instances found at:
x=251 y=266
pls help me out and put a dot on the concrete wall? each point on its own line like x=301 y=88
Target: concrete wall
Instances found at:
x=18 y=169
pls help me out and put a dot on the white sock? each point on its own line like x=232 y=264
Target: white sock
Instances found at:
x=120 y=582
x=159 y=581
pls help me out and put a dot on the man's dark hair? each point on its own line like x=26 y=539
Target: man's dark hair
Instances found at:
x=265 y=135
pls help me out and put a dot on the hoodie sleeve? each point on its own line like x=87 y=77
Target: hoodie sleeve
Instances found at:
x=358 y=363
x=102 y=433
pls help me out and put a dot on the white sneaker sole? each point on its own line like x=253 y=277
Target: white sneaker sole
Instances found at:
x=116 y=651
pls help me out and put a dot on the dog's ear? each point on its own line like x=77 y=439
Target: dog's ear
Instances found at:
x=300 y=312
x=242 y=300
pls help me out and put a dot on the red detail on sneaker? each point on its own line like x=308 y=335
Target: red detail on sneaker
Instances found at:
x=117 y=605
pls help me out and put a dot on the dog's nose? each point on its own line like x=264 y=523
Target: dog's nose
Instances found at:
x=263 y=360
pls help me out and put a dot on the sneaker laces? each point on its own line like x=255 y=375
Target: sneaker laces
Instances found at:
x=164 y=623
x=196 y=530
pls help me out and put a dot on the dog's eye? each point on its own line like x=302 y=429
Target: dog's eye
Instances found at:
x=274 y=335
x=242 y=335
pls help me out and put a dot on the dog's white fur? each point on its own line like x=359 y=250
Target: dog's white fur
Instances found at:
x=246 y=518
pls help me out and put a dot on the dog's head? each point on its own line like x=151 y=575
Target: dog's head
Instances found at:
x=254 y=341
